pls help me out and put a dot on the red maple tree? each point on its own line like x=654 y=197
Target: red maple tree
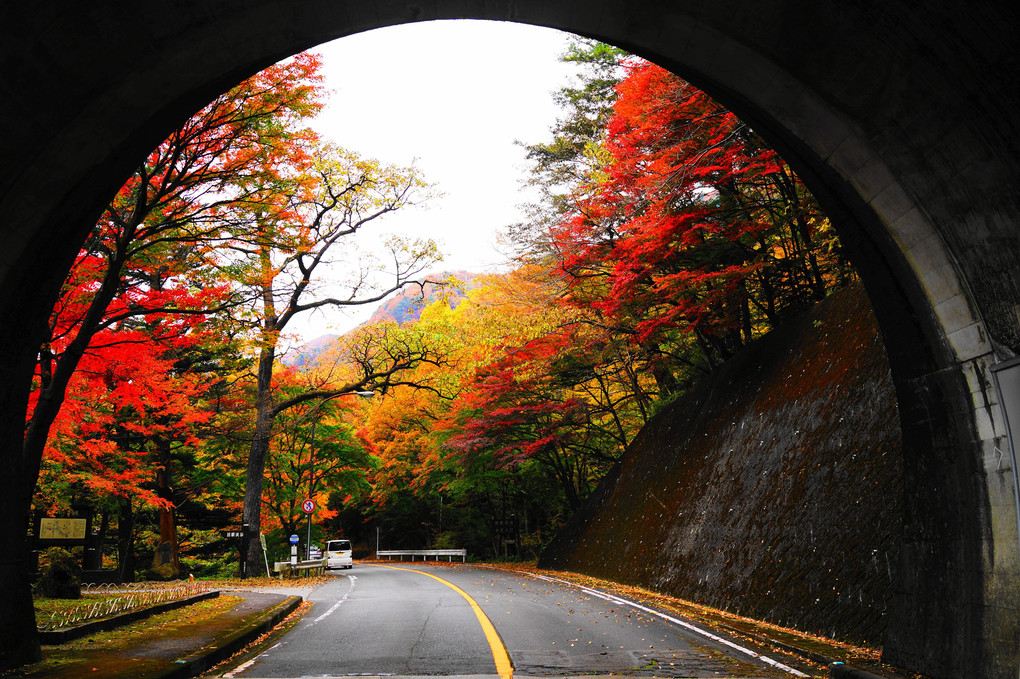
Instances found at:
x=694 y=225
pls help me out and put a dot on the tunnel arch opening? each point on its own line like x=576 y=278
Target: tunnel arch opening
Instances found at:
x=946 y=306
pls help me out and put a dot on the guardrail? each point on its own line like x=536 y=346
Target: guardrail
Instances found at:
x=299 y=569
x=424 y=553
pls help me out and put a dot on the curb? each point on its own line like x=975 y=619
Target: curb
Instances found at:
x=62 y=636
x=768 y=641
x=841 y=671
x=229 y=644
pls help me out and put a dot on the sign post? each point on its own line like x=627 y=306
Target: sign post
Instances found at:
x=293 y=549
x=309 y=507
x=244 y=550
x=506 y=528
x=265 y=554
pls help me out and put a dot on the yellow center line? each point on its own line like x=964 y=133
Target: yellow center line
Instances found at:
x=499 y=654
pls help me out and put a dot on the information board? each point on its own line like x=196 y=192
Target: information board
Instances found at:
x=54 y=530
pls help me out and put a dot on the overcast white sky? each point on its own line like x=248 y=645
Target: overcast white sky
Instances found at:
x=452 y=97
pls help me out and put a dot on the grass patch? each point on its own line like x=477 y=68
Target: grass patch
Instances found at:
x=157 y=625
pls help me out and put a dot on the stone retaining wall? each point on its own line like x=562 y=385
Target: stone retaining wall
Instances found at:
x=773 y=490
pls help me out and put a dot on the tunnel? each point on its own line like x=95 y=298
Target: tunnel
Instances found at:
x=900 y=117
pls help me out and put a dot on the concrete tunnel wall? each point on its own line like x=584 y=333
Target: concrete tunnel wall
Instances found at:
x=901 y=118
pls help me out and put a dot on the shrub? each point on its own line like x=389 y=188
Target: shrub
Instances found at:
x=61 y=579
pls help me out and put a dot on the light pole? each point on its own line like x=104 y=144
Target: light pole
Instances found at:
x=311 y=464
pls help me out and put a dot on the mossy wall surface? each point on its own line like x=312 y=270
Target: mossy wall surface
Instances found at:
x=772 y=491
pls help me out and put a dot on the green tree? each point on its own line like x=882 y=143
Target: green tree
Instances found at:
x=314 y=454
x=576 y=153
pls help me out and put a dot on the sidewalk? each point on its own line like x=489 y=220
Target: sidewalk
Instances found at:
x=180 y=651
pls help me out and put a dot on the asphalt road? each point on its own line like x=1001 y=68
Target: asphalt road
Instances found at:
x=373 y=620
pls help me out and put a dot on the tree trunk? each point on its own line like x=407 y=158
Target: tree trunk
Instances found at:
x=94 y=550
x=126 y=542
x=264 y=416
x=252 y=515
x=57 y=378
x=665 y=381
x=166 y=550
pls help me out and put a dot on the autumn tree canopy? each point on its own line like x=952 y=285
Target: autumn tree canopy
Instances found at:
x=666 y=236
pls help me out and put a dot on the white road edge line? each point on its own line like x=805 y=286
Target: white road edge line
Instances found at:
x=686 y=625
x=335 y=606
x=245 y=665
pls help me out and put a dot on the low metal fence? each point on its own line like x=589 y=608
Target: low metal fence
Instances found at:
x=126 y=597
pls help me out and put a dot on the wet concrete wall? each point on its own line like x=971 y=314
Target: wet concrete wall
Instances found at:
x=774 y=490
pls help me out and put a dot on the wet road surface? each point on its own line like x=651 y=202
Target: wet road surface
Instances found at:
x=417 y=619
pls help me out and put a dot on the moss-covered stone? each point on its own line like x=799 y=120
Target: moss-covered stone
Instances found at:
x=61 y=579
x=163 y=572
